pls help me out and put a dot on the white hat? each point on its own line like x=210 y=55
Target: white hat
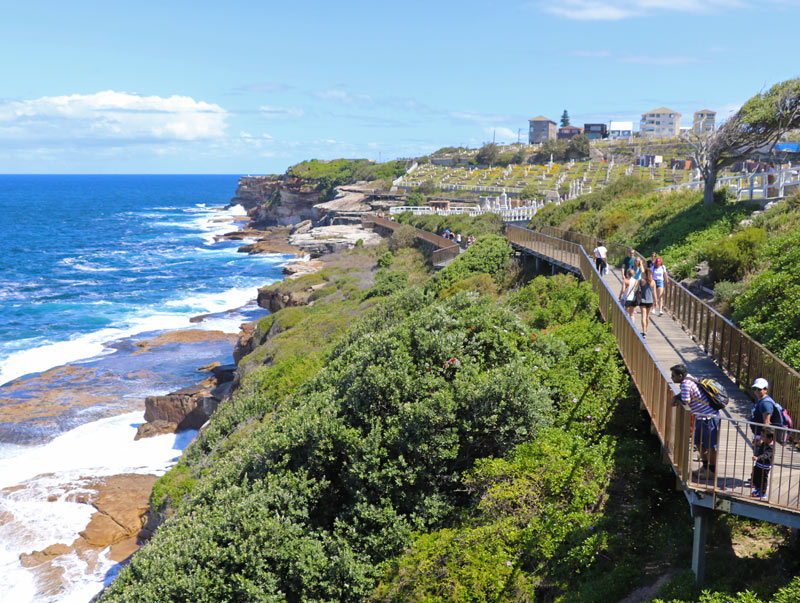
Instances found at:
x=760 y=383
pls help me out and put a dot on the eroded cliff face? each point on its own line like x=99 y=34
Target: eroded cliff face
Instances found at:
x=277 y=200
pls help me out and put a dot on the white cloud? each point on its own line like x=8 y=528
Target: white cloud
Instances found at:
x=342 y=96
x=111 y=116
x=615 y=10
x=502 y=134
x=280 y=112
x=480 y=118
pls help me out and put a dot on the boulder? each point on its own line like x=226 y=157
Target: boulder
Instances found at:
x=184 y=407
x=245 y=344
x=38 y=557
x=157 y=427
x=302 y=227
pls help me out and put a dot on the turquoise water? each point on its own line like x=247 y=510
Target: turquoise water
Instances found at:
x=89 y=259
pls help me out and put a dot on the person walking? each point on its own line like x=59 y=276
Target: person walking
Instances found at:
x=638 y=268
x=629 y=261
x=660 y=276
x=627 y=296
x=763 y=408
x=705 y=418
x=651 y=263
x=647 y=297
x=763 y=454
x=600 y=257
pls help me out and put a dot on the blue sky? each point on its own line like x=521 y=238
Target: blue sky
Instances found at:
x=253 y=87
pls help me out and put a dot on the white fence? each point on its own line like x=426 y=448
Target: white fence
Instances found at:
x=747 y=187
x=513 y=214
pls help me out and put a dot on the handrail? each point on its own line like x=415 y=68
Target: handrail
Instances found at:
x=674 y=424
x=734 y=351
x=654 y=385
x=445 y=248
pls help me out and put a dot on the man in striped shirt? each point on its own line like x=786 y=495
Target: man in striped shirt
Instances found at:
x=706 y=420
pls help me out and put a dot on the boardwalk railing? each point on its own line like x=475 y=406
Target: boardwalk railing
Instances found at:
x=735 y=352
x=735 y=467
x=444 y=250
x=674 y=424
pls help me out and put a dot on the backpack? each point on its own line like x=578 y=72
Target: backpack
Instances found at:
x=781 y=418
x=716 y=394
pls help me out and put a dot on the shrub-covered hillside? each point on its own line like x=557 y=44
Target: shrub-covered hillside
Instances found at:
x=443 y=433
x=752 y=255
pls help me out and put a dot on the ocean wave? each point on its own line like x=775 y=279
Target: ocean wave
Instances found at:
x=169 y=315
x=40 y=513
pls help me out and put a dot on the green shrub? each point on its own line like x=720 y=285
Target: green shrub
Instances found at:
x=386 y=283
x=385 y=260
x=482 y=284
x=488 y=255
x=731 y=257
x=768 y=310
x=403 y=236
x=559 y=299
x=726 y=292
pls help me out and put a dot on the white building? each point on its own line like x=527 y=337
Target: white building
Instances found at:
x=620 y=130
x=660 y=123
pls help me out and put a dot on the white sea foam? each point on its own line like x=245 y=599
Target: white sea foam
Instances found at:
x=173 y=314
x=46 y=472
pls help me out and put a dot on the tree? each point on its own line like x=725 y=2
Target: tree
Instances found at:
x=520 y=156
x=564 y=119
x=756 y=127
x=488 y=154
x=578 y=146
x=529 y=192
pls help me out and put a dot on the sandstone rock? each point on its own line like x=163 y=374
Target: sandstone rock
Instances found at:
x=181 y=337
x=184 y=407
x=329 y=239
x=244 y=345
x=302 y=227
x=157 y=427
x=103 y=531
x=207 y=368
x=38 y=557
x=299 y=268
x=224 y=372
x=120 y=551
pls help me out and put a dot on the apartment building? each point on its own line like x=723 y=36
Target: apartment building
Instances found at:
x=541 y=129
x=704 y=122
x=660 y=123
x=595 y=131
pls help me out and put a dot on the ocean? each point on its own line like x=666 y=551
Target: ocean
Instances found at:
x=90 y=266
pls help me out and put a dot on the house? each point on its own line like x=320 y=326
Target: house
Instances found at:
x=704 y=122
x=620 y=130
x=595 y=131
x=568 y=132
x=660 y=123
x=541 y=129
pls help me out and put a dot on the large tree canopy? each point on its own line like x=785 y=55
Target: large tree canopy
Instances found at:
x=756 y=127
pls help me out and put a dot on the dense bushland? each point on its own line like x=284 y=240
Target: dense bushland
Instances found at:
x=327 y=175
x=330 y=460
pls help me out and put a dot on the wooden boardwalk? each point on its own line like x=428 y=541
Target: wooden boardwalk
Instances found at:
x=670 y=344
x=649 y=358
